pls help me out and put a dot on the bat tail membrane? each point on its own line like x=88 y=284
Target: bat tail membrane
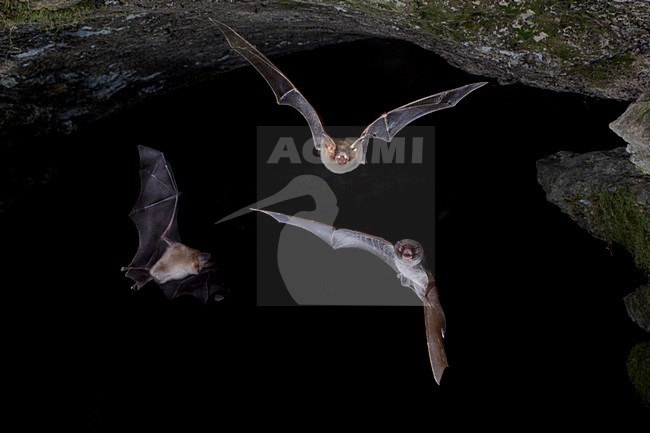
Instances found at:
x=204 y=286
x=139 y=275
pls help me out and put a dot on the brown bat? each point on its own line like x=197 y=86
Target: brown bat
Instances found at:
x=341 y=155
x=161 y=257
x=406 y=257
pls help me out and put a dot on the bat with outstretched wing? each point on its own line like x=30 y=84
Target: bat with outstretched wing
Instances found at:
x=161 y=257
x=341 y=155
x=406 y=257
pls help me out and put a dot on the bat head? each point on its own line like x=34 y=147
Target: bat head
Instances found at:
x=201 y=261
x=408 y=252
x=341 y=155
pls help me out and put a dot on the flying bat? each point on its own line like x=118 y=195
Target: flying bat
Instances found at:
x=406 y=257
x=341 y=155
x=161 y=257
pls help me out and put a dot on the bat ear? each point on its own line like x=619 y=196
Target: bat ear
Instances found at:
x=203 y=259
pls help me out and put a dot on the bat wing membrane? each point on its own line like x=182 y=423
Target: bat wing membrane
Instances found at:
x=435 y=323
x=389 y=124
x=202 y=286
x=285 y=92
x=341 y=238
x=434 y=316
x=381 y=248
x=154 y=213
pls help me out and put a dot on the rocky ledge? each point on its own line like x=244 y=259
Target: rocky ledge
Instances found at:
x=605 y=194
x=68 y=62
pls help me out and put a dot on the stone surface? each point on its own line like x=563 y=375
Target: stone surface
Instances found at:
x=634 y=127
x=637 y=304
x=605 y=194
x=69 y=62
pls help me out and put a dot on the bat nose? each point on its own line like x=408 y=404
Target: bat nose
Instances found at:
x=342 y=159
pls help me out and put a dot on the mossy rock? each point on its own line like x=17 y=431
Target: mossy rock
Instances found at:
x=605 y=194
x=625 y=221
x=53 y=14
x=637 y=304
x=638 y=368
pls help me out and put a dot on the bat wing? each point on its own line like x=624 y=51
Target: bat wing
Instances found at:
x=341 y=238
x=389 y=124
x=435 y=323
x=204 y=286
x=285 y=92
x=154 y=213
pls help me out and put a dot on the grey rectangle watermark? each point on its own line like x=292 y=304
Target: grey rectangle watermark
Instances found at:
x=392 y=197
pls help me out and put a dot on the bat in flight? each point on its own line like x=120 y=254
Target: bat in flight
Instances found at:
x=406 y=257
x=341 y=155
x=161 y=257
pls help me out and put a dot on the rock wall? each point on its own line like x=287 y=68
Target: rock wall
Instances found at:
x=67 y=62
x=605 y=194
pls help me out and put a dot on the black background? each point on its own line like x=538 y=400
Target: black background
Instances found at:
x=536 y=323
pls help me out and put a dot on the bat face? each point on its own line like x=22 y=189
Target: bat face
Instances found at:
x=408 y=252
x=341 y=155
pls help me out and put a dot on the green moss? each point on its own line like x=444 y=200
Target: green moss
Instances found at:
x=625 y=222
x=494 y=25
x=13 y=13
x=602 y=71
x=644 y=112
x=638 y=368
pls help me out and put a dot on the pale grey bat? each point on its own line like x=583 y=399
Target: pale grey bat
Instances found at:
x=406 y=257
x=341 y=155
x=161 y=257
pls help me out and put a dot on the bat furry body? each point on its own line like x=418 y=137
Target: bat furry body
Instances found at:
x=341 y=155
x=161 y=257
x=406 y=257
